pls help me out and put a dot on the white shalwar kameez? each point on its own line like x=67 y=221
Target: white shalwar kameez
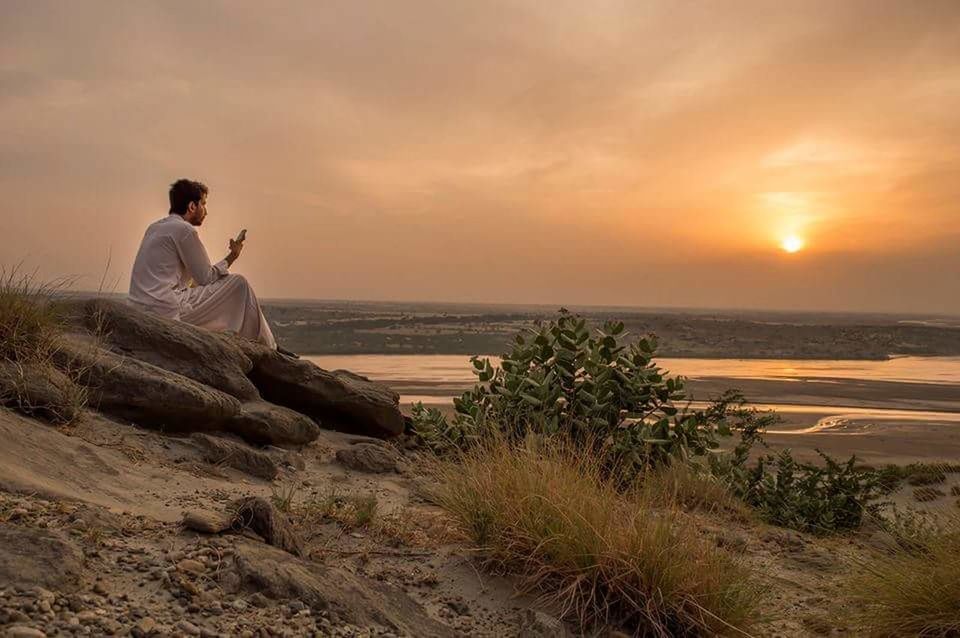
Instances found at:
x=170 y=255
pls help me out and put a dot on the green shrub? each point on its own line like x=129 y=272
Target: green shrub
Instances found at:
x=593 y=389
x=439 y=433
x=612 y=400
x=917 y=474
x=812 y=498
x=808 y=497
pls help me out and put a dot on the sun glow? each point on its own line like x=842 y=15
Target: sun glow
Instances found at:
x=792 y=243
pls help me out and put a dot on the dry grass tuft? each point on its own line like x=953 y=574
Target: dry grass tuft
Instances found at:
x=548 y=514
x=30 y=325
x=415 y=527
x=359 y=510
x=925 y=494
x=682 y=486
x=29 y=322
x=912 y=531
x=913 y=589
x=283 y=496
x=400 y=526
x=363 y=510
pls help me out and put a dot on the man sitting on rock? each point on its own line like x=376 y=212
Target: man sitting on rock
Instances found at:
x=171 y=255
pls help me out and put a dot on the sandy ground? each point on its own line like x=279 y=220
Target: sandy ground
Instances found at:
x=130 y=487
x=143 y=481
x=151 y=480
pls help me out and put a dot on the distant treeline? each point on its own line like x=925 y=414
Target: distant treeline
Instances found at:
x=370 y=328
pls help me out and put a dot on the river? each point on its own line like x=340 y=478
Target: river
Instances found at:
x=453 y=372
x=908 y=406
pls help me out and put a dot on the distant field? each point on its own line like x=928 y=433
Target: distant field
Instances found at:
x=342 y=327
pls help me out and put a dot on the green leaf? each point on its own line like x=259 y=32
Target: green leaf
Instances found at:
x=532 y=400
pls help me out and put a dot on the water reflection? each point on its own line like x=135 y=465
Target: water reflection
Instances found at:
x=454 y=370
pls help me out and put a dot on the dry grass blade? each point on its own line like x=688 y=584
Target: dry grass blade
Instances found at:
x=29 y=321
x=549 y=514
x=30 y=327
x=680 y=485
x=914 y=588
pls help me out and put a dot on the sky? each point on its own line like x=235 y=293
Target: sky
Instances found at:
x=649 y=153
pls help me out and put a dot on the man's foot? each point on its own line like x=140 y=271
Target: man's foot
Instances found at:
x=287 y=353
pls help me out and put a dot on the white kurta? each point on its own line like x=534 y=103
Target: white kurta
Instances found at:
x=170 y=255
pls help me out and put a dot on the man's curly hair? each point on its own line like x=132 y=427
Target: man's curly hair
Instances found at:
x=184 y=191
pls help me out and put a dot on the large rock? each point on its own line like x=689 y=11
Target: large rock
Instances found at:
x=176 y=375
x=207 y=522
x=236 y=455
x=264 y=423
x=211 y=358
x=345 y=597
x=260 y=516
x=31 y=557
x=144 y=393
x=340 y=399
x=40 y=390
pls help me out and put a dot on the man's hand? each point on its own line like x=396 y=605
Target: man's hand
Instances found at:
x=236 y=247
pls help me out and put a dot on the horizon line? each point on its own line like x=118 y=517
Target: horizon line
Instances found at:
x=580 y=306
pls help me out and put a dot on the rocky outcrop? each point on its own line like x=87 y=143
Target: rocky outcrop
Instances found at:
x=167 y=374
x=33 y=557
x=264 y=423
x=207 y=357
x=346 y=597
x=241 y=457
x=340 y=399
x=144 y=393
x=369 y=457
x=39 y=389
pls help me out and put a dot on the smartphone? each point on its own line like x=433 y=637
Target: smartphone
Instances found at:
x=242 y=236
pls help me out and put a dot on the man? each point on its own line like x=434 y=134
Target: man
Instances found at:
x=171 y=254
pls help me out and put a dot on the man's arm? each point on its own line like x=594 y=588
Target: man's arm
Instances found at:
x=194 y=257
x=236 y=247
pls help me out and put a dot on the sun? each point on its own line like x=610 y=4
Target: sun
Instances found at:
x=792 y=243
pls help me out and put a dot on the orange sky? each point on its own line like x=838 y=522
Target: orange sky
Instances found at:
x=627 y=153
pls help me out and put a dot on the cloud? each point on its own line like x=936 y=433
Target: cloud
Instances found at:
x=505 y=151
